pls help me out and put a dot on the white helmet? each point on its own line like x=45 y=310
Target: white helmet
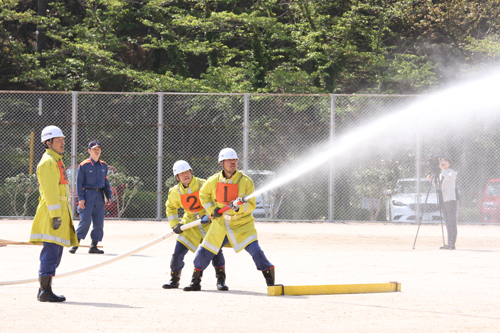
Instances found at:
x=227 y=154
x=181 y=166
x=51 y=132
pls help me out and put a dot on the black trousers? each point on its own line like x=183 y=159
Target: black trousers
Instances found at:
x=450 y=217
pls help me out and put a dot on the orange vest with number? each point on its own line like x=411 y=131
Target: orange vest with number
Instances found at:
x=225 y=193
x=191 y=201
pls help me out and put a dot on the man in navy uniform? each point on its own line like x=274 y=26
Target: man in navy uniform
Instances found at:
x=92 y=187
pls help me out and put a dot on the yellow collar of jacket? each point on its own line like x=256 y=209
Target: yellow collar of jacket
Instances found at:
x=235 y=178
x=55 y=155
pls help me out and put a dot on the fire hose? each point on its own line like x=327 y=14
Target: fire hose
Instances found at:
x=126 y=254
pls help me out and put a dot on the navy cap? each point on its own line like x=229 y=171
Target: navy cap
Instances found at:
x=93 y=144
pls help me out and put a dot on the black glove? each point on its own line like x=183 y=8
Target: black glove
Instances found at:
x=177 y=228
x=56 y=222
x=216 y=213
x=235 y=204
x=205 y=219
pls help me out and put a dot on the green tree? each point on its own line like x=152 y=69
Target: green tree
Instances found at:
x=17 y=32
x=318 y=46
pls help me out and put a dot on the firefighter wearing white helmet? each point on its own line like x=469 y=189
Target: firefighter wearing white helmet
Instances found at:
x=185 y=195
x=227 y=154
x=180 y=166
x=49 y=133
x=53 y=223
x=236 y=228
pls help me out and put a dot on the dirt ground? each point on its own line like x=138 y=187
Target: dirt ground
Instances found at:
x=442 y=291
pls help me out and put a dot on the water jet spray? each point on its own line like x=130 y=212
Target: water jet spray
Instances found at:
x=447 y=106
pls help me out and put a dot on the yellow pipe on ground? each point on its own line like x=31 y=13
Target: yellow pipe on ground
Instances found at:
x=329 y=289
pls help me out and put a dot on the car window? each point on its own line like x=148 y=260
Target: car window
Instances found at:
x=407 y=187
x=411 y=187
x=493 y=189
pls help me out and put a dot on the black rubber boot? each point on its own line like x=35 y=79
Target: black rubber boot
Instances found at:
x=45 y=293
x=220 y=274
x=174 y=280
x=94 y=249
x=269 y=275
x=195 y=281
x=445 y=247
x=73 y=249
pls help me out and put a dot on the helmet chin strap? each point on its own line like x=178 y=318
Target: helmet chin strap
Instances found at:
x=225 y=171
x=50 y=147
x=228 y=173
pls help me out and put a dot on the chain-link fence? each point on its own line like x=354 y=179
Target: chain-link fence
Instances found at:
x=351 y=157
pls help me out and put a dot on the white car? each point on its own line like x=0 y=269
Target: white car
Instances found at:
x=263 y=204
x=401 y=204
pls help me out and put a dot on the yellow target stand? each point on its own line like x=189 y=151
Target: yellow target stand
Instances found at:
x=330 y=289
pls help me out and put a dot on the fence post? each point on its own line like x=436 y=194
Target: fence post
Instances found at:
x=74 y=140
x=160 y=157
x=331 y=190
x=418 y=158
x=246 y=127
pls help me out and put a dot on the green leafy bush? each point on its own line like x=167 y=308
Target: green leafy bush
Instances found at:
x=19 y=186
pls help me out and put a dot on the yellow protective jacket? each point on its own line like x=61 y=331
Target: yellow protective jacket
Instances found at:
x=53 y=202
x=191 y=238
x=238 y=226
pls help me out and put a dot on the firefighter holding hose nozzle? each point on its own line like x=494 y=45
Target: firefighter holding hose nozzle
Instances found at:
x=235 y=227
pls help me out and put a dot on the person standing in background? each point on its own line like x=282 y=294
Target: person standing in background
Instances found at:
x=447 y=180
x=93 y=190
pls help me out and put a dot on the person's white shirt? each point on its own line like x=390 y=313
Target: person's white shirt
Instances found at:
x=448 y=178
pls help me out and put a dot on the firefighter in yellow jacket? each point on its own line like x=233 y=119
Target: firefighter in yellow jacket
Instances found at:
x=236 y=227
x=53 y=224
x=185 y=195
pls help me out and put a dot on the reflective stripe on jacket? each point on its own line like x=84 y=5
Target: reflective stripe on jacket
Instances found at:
x=53 y=202
x=191 y=238
x=238 y=226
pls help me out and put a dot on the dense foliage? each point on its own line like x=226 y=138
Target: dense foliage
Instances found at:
x=278 y=46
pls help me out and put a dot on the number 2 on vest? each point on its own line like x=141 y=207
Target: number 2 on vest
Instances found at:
x=193 y=206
